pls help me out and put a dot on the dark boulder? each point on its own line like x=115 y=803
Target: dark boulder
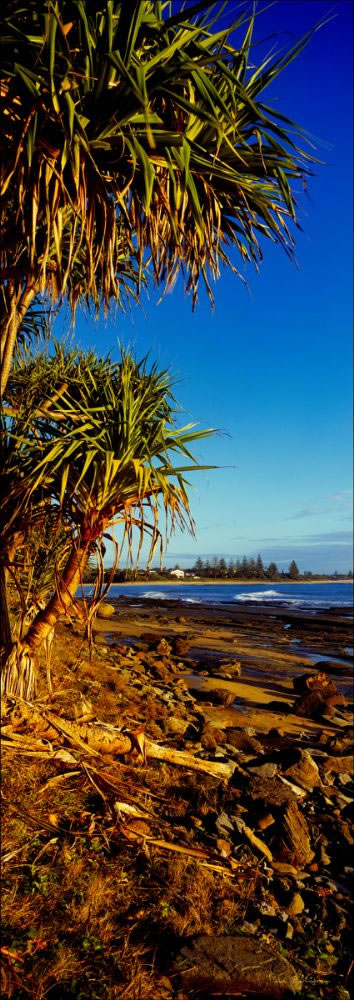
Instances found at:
x=234 y=965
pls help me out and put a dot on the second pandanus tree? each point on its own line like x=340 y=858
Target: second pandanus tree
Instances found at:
x=109 y=453
x=29 y=520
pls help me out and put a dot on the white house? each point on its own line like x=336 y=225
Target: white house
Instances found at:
x=178 y=573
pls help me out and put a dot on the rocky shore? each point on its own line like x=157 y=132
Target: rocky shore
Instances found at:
x=230 y=805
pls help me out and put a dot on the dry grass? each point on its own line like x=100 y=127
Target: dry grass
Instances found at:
x=86 y=913
x=89 y=914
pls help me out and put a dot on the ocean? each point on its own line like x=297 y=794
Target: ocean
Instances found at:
x=306 y=596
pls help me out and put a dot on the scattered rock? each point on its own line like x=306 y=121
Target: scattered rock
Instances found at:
x=295 y=845
x=273 y=774
x=177 y=726
x=312 y=706
x=279 y=706
x=232 y=667
x=224 y=824
x=163 y=647
x=264 y=821
x=284 y=869
x=314 y=682
x=300 y=793
x=217 y=696
x=106 y=611
x=272 y=791
x=304 y=771
x=345 y=832
x=340 y=765
x=296 y=905
x=243 y=741
x=138 y=667
x=343 y=741
x=211 y=737
x=180 y=647
x=333 y=667
x=234 y=965
x=264 y=770
x=325 y=859
x=224 y=847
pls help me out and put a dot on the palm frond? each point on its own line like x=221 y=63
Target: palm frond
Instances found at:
x=129 y=134
x=97 y=442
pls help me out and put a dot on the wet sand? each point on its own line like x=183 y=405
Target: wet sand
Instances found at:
x=272 y=646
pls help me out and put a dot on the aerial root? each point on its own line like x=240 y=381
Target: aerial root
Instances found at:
x=18 y=676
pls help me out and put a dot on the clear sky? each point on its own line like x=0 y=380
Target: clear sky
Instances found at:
x=272 y=366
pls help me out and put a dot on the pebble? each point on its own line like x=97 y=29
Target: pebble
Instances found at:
x=326 y=860
x=339 y=764
x=296 y=905
x=224 y=824
x=284 y=869
x=265 y=770
x=304 y=772
x=224 y=847
x=266 y=909
x=265 y=821
x=344 y=779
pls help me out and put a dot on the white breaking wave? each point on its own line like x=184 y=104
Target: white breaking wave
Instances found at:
x=158 y=594
x=276 y=595
x=259 y=595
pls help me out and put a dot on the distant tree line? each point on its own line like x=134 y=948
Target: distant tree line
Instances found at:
x=254 y=569
x=233 y=569
x=243 y=569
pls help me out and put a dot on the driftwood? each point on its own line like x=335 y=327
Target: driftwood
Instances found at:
x=185 y=759
x=100 y=738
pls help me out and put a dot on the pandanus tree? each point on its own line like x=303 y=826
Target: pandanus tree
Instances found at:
x=107 y=452
x=28 y=514
x=134 y=134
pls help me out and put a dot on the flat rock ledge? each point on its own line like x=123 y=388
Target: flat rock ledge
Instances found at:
x=233 y=965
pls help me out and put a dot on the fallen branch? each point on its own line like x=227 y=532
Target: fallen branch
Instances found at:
x=100 y=738
x=184 y=759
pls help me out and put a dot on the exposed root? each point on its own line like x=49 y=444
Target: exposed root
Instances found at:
x=19 y=675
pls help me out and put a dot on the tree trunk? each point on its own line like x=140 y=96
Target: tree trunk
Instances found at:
x=9 y=328
x=18 y=676
x=7 y=560
x=46 y=619
x=5 y=628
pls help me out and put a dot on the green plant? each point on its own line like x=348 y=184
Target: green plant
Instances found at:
x=131 y=132
x=103 y=450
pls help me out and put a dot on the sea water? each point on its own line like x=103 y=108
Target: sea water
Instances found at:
x=307 y=596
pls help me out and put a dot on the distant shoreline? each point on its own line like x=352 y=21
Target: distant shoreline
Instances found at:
x=222 y=583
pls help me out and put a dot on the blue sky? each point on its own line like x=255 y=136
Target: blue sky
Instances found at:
x=272 y=365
